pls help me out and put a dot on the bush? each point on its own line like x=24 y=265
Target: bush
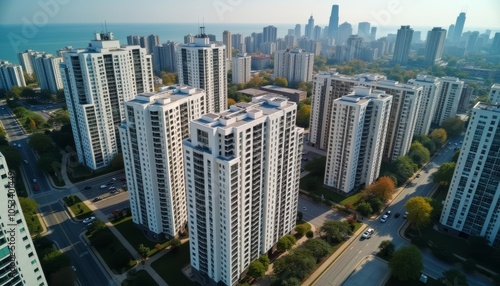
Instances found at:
x=310 y=234
x=364 y=208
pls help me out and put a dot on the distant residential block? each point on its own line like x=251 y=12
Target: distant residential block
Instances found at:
x=11 y=75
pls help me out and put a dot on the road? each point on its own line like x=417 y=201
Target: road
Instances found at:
x=62 y=230
x=67 y=235
x=422 y=186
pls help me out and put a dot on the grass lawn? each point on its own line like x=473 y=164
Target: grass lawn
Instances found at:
x=113 y=247
x=79 y=209
x=170 y=265
x=142 y=277
x=133 y=235
x=430 y=282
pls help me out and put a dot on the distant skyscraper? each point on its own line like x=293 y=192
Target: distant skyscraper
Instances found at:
x=434 y=45
x=47 y=71
x=364 y=31
x=203 y=65
x=495 y=46
x=417 y=37
x=153 y=41
x=353 y=47
x=241 y=68
x=18 y=258
x=133 y=40
x=96 y=106
x=431 y=87
x=459 y=27
x=242 y=181
x=451 y=30
x=465 y=98
x=291 y=32
x=316 y=33
x=151 y=136
x=165 y=57
x=227 y=41
x=472 y=204
x=403 y=42
x=495 y=94
x=249 y=44
x=11 y=75
x=472 y=41
x=373 y=34
x=189 y=39
x=294 y=65
x=257 y=40
x=359 y=119
x=449 y=97
x=309 y=28
x=238 y=43
x=333 y=25
x=269 y=34
x=297 y=31
x=344 y=32
x=290 y=41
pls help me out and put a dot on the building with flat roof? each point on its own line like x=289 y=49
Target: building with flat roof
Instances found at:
x=242 y=179
x=292 y=94
x=11 y=75
x=295 y=65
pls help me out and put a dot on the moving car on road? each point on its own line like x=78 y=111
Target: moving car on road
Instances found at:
x=89 y=220
x=368 y=233
x=384 y=218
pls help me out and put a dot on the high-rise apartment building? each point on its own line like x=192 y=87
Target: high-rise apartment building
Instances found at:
x=202 y=64
x=238 y=43
x=19 y=263
x=242 y=180
x=471 y=206
x=227 y=41
x=46 y=68
x=403 y=42
x=269 y=34
x=242 y=64
x=465 y=99
x=459 y=27
x=316 y=35
x=343 y=33
x=434 y=45
x=11 y=75
x=495 y=93
x=151 y=136
x=97 y=81
x=133 y=40
x=353 y=48
x=373 y=34
x=26 y=61
x=333 y=24
x=165 y=57
x=431 y=86
x=357 y=136
x=294 y=65
x=364 y=31
x=297 y=31
x=249 y=44
x=449 y=97
x=153 y=41
x=328 y=86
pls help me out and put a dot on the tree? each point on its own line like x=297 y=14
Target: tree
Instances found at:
x=303 y=115
x=419 y=212
x=230 y=102
x=302 y=229
x=454 y=277
x=12 y=155
x=41 y=143
x=383 y=189
x=404 y=168
x=53 y=260
x=28 y=92
x=63 y=277
x=444 y=174
x=29 y=206
x=45 y=162
x=419 y=154
x=310 y=234
x=387 y=248
x=438 y=136
x=335 y=231
x=300 y=216
x=454 y=126
x=298 y=264
x=286 y=243
x=120 y=259
x=101 y=239
x=256 y=269
x=406 y=263
x=174 y=243
x=478 y=247
x=376 y=204
x=469 y=265
x=117 y=161
x=143 y=250
x=454 y=158
x=318 y=248
x=364 y=208
x=265 y=261
x=281 y=81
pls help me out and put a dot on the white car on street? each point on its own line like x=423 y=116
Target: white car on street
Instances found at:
x=89 y=220
x=368 y=233
x=384 y=218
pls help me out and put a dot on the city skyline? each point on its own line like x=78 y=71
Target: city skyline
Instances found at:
x=392 y=13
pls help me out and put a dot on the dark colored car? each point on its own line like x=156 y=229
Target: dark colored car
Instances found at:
x=96 y=199
x=396 y=215
x=35 y=187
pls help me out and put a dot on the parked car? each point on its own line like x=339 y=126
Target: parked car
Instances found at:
x=103 y=186
x=418 y=175
x=89 y=220
x=35 y=187
x=112 y=188
x=405 y=215
x=304 y=208
x=117 y=211
x=388 y=213
x=396 y=215
x=114 y=179
x=384 y=218
x=114 y=192
x=34 y=180
x=368 y=233
x=96 y=199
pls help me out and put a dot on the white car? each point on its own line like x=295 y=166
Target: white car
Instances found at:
x=89 y=220
x=384 y=218
x=405 y=215
x=368 y=233
x=34 y=180
x=103 y=186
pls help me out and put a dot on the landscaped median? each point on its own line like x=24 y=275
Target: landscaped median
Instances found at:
x=77 y=207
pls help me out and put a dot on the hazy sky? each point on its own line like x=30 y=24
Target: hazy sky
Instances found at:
x=480 y=13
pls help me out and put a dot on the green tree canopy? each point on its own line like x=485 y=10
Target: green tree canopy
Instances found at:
x=439 y=136
x=364 y=208
x=41 y=143
x=444 y=174
x=12 y=155
x=454 y=277
x=454 y=126
x=143 y=250
x=318 y=248
x=335 y=231
x=419 y=211
x=297 y=264
x=29 y=206
x=404 y=168
x=387 y=248
x=286 y=242
x=406 y=263
x=256 y=269
x=281 y=81
x=419 y=154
